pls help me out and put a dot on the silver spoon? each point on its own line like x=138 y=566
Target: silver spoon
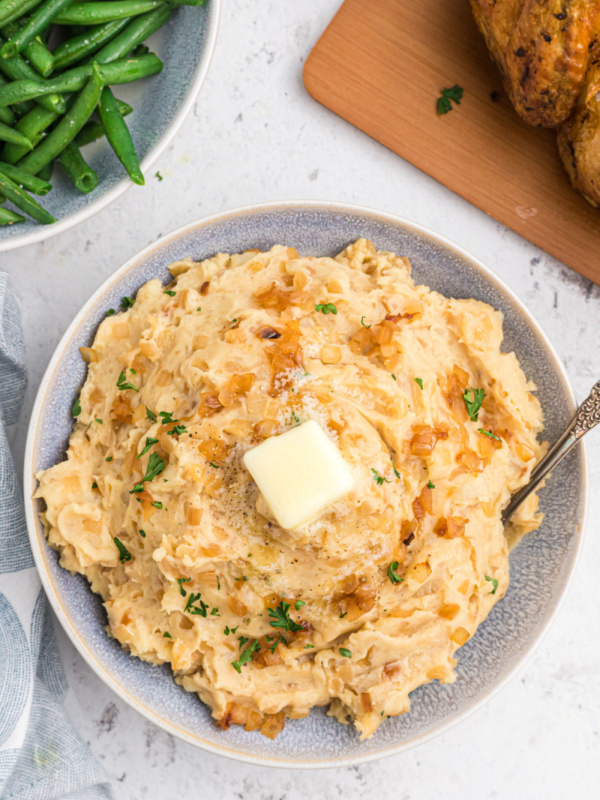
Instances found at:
x=586 y=417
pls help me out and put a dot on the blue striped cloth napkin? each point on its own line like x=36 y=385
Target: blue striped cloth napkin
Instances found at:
x=42 y=757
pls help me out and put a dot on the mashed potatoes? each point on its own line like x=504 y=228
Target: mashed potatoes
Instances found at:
x=372 y=599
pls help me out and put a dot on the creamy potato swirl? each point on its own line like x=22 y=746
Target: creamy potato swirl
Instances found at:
x=358 y=608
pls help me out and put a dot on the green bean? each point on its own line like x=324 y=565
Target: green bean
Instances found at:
x=8 y=134
x=46 y=172
x=123 y=71
x=6 y=114
x=22 y=200
x=79 y=47
x=76 y=167
x=97 y=13
x=24 y=180
x=8 y=217
x=13 y=9
x=93 y=129
x=36 y=52
x=118 y=135
x=37 y=22
x=67 y=128
x=32 y=125
x=18 y=69
x=134 y=34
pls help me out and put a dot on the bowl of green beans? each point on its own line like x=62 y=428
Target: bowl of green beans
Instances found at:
x=91 y=94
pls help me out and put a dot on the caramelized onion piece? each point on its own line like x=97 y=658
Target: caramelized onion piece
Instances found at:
x=425 y=439
x=273 y=725
x=88 y=354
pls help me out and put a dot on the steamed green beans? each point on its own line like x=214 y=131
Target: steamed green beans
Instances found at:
x=79 y=47
x=67 y=128
x=52 y=103
x=8 y=217
x=29 y=182
x=123 y=71
x=22 y=200
x=8 y=134
x=118 y=135
x=96 y=13
x=37 y=22
x=74 y=164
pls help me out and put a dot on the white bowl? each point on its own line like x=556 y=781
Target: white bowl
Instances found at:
x=160 y=106
x=541 y=565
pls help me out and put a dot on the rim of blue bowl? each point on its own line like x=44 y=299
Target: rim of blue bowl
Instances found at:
x=37 y=540
x=43 y=232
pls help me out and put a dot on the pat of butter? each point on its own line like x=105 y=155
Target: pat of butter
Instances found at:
x=299 y=473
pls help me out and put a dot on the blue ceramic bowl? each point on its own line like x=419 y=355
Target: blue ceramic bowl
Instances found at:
x=540 y=566
x=161 y=104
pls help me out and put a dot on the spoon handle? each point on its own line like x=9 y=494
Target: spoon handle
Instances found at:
x=586 y=417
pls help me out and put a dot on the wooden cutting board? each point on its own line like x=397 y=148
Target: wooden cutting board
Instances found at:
x=381 y=65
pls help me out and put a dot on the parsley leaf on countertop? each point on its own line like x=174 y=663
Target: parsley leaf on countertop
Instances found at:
x=449 y=95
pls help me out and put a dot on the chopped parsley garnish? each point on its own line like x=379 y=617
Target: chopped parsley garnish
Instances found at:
x=450 y=95
x=99 y=421
x=494 y=583
x=490 y=434
x=127 y=302
x=149 y=442
x=214 y=612
x=76 y=411
x=430 y=485
x=419 y=381
x=167 y=635
x=276 y=642
x=123 y=384
x=343 y=614
x=226 y=631
x=295 y=417
x=150 y=414
x=155 y=466
x=198 y=610
x=167 y=417
x=326 y=308
x=212 y=463
x=142 y=533
x=110 y=312
x=181 y=581
x=379 y=479
x=110 y=458
x=94 y=485
x=473 y=399
x=124 y=554
x=362 y=322
x=156 y=504
x=281 y=618
x=392 y=574
x=158 y=176
x=178 y=429
x=246 y=656
x=394 y=377
x=309 y=646
x=170 y=292
x=396 y=473
x=345 y=652
x=298 y=604
x=218 y=584
x=199 y=308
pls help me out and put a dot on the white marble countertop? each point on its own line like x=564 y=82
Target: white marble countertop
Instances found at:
x=255 y=135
